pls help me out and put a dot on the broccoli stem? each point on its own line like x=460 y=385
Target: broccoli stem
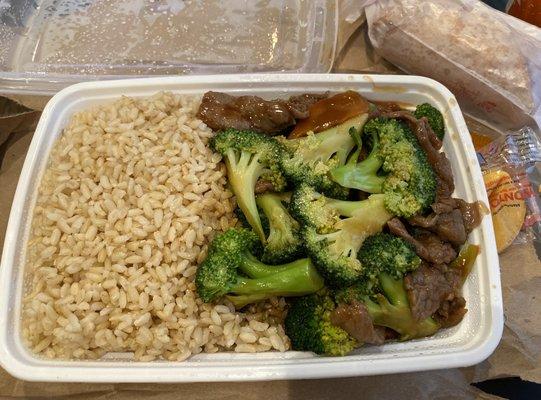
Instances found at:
x=245 y=299
x=299 y=280
x=247 y=165
x=357 y=179
x=347 y=208
x=276 y=213
x=362 y=175
x=254 y=268
x=294 y=279
x=356 y=136
x=394 y=289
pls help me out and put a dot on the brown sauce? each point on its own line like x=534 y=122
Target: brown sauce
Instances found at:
x=472 y=213
x=330 y=112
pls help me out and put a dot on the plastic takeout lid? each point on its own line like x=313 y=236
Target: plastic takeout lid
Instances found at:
x=50 y=44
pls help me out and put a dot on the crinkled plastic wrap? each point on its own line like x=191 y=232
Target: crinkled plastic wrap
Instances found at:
x=489 y=60
x=511 y=168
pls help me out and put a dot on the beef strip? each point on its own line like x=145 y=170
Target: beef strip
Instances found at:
x=383 y=107
x=435 y=291
x=452 y=219
x=448 y=226
x=451 y=228
x=451 y=312
x=221 y=111
x=390 y=334
x=444 y=204
x=439 y=252
x=429 y=287
x=429 y=221
x=427 y=245
x=300 y=105
x=355 y=320
x=438 y=160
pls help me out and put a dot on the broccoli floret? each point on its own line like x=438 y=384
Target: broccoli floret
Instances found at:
x=387 y=253
x=396 y=167
x=308 y=321
x=334 y=230
x=248 y=156
x=386 y=259
x=388 y=305
x=230 y=268
x=308 y=325
x=434 y=117
x=309 y=159
x=380 y=253
x=356 y=292
x=283 y=240
x=393 y=311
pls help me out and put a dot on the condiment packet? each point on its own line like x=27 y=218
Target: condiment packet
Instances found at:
x=511 y=168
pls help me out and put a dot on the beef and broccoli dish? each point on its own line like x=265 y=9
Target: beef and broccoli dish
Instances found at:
x=346 y=208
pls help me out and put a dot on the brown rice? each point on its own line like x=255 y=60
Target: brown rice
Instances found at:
x=128 y=202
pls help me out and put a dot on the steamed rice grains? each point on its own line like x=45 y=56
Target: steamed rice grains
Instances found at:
x=129 y=200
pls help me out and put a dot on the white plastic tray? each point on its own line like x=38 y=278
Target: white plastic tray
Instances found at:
x=468 y=343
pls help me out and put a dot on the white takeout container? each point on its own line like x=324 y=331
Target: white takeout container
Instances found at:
x=470 y=342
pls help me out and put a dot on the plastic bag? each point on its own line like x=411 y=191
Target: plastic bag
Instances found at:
x=511 y=168
x=491 y=62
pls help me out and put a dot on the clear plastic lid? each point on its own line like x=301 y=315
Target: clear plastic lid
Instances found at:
x=48 y=44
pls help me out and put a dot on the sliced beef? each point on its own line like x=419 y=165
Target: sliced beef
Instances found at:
x=452 y=219
x=449 y=226
x=439 y=252
x=391 y=334
x=221 y=111
x=451 y=312
x=429 y=221
x=398 y=228
x=383 y=107
x=355 y=320
x=444 y=204
x=427 y=244
x=428 y=288
x=300 y=105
